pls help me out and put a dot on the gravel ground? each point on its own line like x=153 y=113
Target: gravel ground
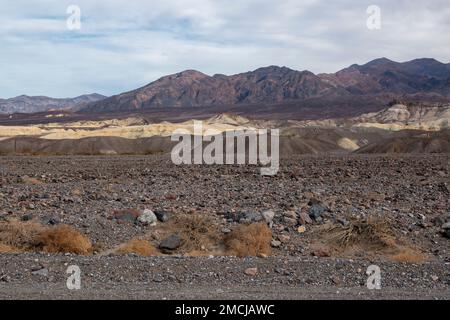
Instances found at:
x=84 y=192
x=132 y=277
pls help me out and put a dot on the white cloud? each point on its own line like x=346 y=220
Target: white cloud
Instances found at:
x=126 y=44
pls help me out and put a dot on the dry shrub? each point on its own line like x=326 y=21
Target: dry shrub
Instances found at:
x=32 y=236
x=373 y=233
x=138 y=246
x=63 y=239
x=8 y=249
x=249 y=240
x=20 y=234
x=408 y=255
x=371 y=236
x=197 y=230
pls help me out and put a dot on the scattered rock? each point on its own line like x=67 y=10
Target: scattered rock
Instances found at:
x=226 y=230
x=313 y=201
x=50 y=220
x=290 y=222
x=162 y=215
x=304 y=218
x=446 y=229
x=26 y=217
x=147 y=217
x=321 y=251
x=41 y=272
x=335 y=280
x=171 y=243
x=128 y=215
x=5 y=278
x=316 y=211
x=301 y=229
x=275 y=243
x=251 y=217
x=268 y=215
x=290 y=214
x=251 y=271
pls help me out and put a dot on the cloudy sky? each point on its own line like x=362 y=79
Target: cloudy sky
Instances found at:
x=123 y=45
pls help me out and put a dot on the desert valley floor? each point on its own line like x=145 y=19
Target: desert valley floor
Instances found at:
x=330 y=218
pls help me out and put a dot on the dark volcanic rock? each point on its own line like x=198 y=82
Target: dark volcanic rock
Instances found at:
x=171 y=243
x=316 y=210
x=162 y=215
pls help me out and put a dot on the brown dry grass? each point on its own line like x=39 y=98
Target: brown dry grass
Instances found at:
x=62 y=239
x=32 y=236
x=408 y=255
x=8 y=249
x=138 y=246
x=20 y=234
x=249 y=240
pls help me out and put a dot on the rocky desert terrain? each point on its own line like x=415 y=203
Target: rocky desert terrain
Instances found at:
x=143 y=227
x=360 y=186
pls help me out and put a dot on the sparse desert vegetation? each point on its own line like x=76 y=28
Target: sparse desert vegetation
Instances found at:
x=319 y=216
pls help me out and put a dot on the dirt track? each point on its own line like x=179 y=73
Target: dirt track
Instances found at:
x=217 y=278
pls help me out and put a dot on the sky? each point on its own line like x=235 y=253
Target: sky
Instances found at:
x=122 y=45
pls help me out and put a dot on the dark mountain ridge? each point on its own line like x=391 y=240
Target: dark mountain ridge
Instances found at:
x=379 y=80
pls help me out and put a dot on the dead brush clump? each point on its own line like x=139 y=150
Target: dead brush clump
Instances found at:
x=373 y=233
x=31 y=236
x=372 y=236
x=138 y=246
x=198 y=231
x=64 y=239
x=249 y=240
x=21 y=235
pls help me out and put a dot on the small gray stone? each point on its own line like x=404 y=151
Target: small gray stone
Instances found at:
x=253 y=216
x=316 y=210
x=170 y=243
x=41 y=272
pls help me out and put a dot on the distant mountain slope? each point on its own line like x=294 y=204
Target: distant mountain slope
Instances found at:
x=195 y=89
x=385 y=76
x=378 y=80
x=27 y=104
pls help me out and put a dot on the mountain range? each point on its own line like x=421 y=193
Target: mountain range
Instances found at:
x=358 y=86
x=27 y=104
